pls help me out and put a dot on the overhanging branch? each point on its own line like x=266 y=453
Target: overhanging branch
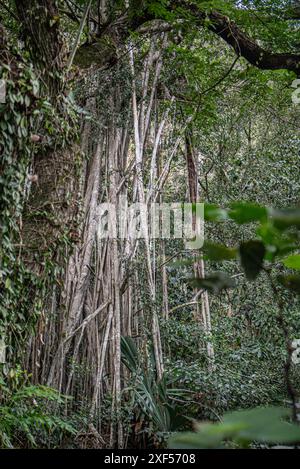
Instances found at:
x=243 y=45
x=221 y=25
x=249 y=49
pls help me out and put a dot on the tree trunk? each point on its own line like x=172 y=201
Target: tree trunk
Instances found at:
x=40 y=28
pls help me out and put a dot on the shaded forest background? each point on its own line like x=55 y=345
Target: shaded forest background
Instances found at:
x=123 y=343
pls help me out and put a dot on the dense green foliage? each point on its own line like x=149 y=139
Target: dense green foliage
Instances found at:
x=81 y=330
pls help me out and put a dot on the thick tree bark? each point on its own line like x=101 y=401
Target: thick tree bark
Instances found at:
x=50 y=221
x=53 y=200
x=40 y=28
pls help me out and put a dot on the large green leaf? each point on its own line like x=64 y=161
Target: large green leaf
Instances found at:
x=276 y=242
x=243 y=212
x=292 y=262
x=191 y=440
x=217 y=252
x=264 y=425
x=214 y=213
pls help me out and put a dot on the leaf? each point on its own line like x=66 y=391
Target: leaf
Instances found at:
x=191 y=440
x=35 y=87
x=214 y=213
x=291 y=282
x=243 y=212
x=129 y=353
x=264 y=425
x=27 y=101
x=218 y=252
x=215 y=282
x=277 y=243
x=284 y=219
x=252 y=254
x=292 y=262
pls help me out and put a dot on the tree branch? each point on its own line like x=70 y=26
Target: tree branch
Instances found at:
x=243 y=45
x=249 y=49
x=219 y=24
